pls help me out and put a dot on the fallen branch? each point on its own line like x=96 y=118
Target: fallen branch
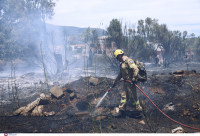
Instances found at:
x=34 y=107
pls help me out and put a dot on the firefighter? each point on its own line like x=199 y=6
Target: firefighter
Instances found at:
x=128 y=71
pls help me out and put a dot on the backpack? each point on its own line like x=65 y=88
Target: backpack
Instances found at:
x=142 y=75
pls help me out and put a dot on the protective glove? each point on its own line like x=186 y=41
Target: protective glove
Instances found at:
x=132 y=82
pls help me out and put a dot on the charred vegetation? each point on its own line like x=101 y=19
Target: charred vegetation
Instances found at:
x=170 y=92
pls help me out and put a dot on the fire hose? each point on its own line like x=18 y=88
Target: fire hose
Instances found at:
x=160 y=109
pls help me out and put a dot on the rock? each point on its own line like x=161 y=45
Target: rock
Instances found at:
x=178 y=72
x=195 y=106
x=101 y=117
x=186 y=112
x=72 y=96
x=177 y=130
x=143 y=87
x=169 y=107
x=56 y=91
x=142 y=122
x=93 y=81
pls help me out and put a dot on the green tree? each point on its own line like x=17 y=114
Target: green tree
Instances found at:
x=115 y=32
x=20 y=26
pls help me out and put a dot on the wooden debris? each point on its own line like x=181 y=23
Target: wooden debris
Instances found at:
x=30 y=107
x=46 y=113
x=40 y=109
x=52 y=113
x=18 y=111
x=35 y=112
x=33 y=109
x=81 y=114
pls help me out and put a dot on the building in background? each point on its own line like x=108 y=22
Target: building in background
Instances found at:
x=104 y=46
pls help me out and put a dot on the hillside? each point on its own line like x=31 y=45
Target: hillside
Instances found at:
x=71 y=31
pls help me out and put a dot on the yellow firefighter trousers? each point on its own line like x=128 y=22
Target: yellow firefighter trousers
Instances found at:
x=129 y=92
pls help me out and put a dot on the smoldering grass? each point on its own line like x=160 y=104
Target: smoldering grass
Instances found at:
x=88 y=91
x=192 y=91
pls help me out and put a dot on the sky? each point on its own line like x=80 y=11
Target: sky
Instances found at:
x=182 y=15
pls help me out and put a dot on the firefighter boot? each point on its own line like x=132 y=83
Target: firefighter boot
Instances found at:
x=120 y=114
x=139 y=113
x=138 y=107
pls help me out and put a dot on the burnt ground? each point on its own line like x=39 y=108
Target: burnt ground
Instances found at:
x=72 y=114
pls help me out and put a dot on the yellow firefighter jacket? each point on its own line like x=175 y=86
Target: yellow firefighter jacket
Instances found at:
x=128 y=70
